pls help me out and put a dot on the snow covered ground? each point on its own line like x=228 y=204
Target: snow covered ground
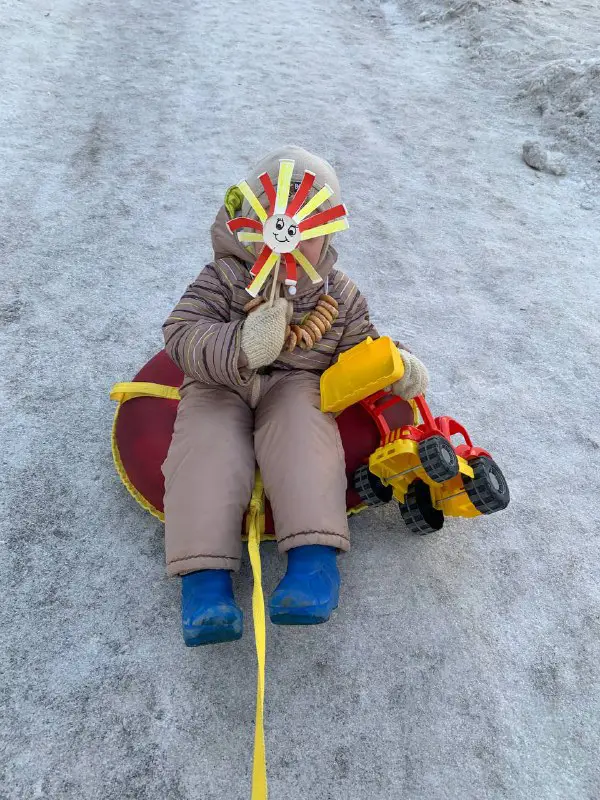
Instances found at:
x=549 y=51
x=461 y=665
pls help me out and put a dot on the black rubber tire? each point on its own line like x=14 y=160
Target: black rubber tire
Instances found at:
x=418 y=512
x=487 y=490
x=371 y=490
x=438 y=459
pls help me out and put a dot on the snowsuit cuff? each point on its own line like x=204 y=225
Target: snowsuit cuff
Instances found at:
x=313 y=537
x=181 y=566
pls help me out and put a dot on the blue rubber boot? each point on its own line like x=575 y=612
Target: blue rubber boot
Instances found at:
x=310 y=588
x=209 y=613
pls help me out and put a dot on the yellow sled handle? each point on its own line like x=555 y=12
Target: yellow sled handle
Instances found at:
x=128 y=390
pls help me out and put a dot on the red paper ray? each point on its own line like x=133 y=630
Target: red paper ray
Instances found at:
x=302 y=193
x=322 y=217
x=267 y=183
x=244 y=222
x=261 y=260
x=291 y=269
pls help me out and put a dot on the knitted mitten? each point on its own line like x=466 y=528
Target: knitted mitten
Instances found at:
x=415 y=379
x=263 y=334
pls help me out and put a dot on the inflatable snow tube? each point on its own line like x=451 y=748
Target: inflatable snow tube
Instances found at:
x=145 y=417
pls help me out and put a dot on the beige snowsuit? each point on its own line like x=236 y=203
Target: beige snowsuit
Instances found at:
x=231 y=418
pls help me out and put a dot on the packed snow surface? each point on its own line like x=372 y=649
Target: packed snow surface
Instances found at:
x=459 y=665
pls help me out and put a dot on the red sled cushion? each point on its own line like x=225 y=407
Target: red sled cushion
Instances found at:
x=143 y=428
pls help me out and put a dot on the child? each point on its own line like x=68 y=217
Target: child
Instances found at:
x=246 y=400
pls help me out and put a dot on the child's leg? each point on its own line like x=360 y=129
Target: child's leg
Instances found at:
x=301 y=458
x=300 y=454
x=209 y=475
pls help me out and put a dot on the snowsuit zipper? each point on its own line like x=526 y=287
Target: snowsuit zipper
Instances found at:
x=255 y=391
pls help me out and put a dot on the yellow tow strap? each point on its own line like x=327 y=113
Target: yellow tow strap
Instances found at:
x=256 y=527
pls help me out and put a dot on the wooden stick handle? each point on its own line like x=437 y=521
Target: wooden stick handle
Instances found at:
x=274 y=285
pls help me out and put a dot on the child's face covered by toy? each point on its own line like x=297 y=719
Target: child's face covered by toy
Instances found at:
x=311 y=249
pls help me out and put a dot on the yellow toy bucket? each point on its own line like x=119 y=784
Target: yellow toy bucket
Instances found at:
x=362 y=371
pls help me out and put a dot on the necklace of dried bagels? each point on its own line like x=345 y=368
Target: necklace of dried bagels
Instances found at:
x=313 y=327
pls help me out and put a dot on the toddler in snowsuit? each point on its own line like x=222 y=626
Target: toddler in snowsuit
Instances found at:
x=246 y=400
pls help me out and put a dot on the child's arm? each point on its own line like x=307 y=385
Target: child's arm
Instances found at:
x=200 y=336
x=357 y=325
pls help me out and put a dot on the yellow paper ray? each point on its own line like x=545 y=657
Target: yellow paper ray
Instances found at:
x=284 y=181
x=307 y=266
x=247 y=236
x=262 y=276
x=325 y=230
x=320 y=197
x=253 y=200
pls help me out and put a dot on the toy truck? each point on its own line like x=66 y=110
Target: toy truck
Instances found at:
x=418 y=465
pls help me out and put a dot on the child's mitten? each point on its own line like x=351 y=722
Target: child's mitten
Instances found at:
x=415 y=379
x=263 y=333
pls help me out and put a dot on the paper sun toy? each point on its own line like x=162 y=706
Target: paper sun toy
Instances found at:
x=285 y=225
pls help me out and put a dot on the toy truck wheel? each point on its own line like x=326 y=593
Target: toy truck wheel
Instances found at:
x=370 y=489
x=487 y=490
x=438 y=458
x=418 y=512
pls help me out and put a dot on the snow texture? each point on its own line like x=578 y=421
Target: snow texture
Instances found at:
x=459 y=665
x=535 y=156
x=543 y=52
